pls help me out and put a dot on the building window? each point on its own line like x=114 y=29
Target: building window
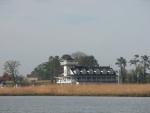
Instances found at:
x=111 y=71
x=99 y=79
x=94 y=79
x=83 y=71
x=90 y=71
x=104 y=71
x=78 y=78
x=68 y=78
x=104 y=79
x=76 y=71
x=97 y=71
x=108 y=79
x=83 y=79
x=113 y=79
x=88 y=79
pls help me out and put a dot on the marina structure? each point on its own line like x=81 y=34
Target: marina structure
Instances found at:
x=74 y=74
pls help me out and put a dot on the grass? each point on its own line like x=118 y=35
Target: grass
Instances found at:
x=132 y=90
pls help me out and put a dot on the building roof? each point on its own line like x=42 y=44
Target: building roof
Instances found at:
x=92 y=75
x=101 y=69
x=89 y=67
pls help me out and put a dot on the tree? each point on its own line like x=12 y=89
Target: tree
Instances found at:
x=140 y=67
x=135 y=62
x=130 y=76
x=85 y=60
x=49 y=69
x=67 y=57
x=21 y=80
x=77 y=55
x=145 y=64
x=121 y=62
x=41 y=71
x=148 y=78
x=54 y=66
x=11 y=67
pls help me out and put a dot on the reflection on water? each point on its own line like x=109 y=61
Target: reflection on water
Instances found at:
x=65 y=104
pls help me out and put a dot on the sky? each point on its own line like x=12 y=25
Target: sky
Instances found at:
x=33 y=30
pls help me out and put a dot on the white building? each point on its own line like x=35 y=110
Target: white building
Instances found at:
x=74 y=74
x=32 y=77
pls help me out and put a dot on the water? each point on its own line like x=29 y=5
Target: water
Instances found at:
x=66 y=104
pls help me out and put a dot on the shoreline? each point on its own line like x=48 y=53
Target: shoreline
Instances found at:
x=107 y=90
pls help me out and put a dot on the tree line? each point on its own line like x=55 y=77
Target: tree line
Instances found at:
x=51 y=68
x=139 y=73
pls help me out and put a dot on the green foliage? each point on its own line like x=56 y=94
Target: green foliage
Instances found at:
x=134 y=61
x=41 y=71
x=130 y=77
x=66 y=57
x=148 y=78
x=48 y=70
x=52 y=67
x=146 y=63
x=121 y=62
x=140 y=67
x=87 y=61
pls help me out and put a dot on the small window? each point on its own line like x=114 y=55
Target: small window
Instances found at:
x=83 y=79
x=94 y=79
x=83 y=71
x=88 y=78
x=103 y=79
x=76 y=71
x=99 y=79
x=97 y=71
x=104 y=71
x=108 y=79
x=90 y=71
x=78 y=78
x=69 y=78
x=111 y=71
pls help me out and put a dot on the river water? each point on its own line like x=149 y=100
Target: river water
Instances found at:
x=73 y=104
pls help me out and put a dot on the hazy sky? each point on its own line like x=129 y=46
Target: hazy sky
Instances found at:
x=33 y=30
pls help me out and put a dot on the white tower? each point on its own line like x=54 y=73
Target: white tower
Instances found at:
x=67 y=65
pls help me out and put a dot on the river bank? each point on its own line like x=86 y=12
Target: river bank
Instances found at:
x=126 y=90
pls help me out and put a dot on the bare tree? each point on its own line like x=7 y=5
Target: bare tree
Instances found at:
x=77 y=55
x=84 y=59
x=11 y=67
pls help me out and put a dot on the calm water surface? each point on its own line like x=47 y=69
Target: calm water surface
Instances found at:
x=66 y=104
